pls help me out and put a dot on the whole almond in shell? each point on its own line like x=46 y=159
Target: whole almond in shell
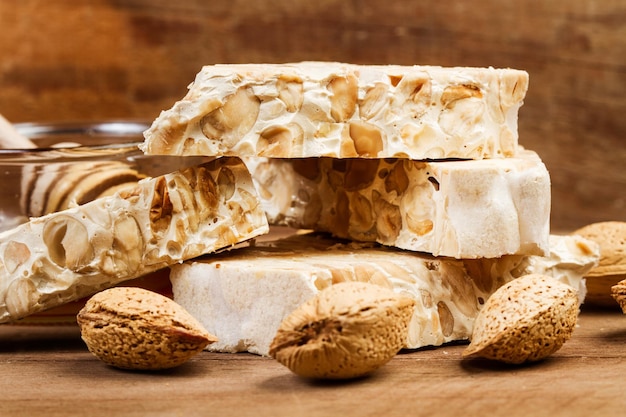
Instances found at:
x=618 y=292
x=134 y=328
x=525 y=320
x=347 y=330
x=611 y=269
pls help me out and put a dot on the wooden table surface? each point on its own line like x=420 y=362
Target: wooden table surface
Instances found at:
x=48 y=371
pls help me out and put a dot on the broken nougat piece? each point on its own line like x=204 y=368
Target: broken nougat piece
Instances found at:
x=241 y=296
x=74 y=253
x=461 y=209
x=313 y=109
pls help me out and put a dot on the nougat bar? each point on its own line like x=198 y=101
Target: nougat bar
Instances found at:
x=313 y=109
x=462 y=209
x=70 y=254
x=242 y=295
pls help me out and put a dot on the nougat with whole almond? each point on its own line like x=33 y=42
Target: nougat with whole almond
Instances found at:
x=70 y=254
x=313 y=109
x=461 y=209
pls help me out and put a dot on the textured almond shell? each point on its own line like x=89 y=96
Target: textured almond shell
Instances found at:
x=525 y=320
x=618 y=292
x=133 y=328
x=611 y=236
x=346 y=331
x=611 y=268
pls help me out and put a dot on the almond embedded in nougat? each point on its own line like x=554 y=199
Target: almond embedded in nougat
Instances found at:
x=71 y=254
x=133 y=328
x=344 y=110
x=460 y=209
x=347 y=330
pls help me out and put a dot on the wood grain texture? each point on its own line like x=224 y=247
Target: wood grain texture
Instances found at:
x=102 y=59
x=48 y=372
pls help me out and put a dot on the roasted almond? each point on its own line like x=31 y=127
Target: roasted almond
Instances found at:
x=134 y=328
x=348 y=330
x=525 y=320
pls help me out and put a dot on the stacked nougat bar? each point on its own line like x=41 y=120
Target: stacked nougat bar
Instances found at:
x=419 y=158
x=413 y=174
x=423 y=160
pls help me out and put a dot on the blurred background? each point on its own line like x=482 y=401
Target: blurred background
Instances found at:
x=85 y=60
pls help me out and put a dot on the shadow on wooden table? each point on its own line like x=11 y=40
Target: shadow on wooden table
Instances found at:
x=15 y=338
x=289 y=380
x=481 y=365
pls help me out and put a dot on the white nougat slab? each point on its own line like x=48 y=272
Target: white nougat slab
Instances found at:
x=241 y=296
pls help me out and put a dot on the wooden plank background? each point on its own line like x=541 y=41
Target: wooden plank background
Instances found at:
x=100 y=59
